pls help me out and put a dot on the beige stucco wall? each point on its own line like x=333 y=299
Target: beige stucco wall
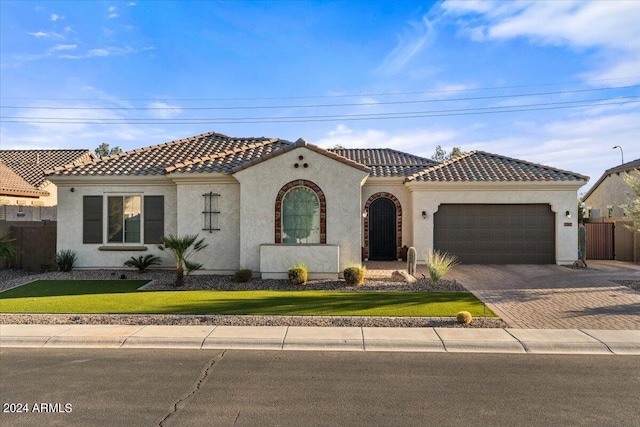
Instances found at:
x=70 y=219
x=322 y=261
x=562 y=197
x=260 y=184
x=396 y=187
x=611 y=191
x=222 y=256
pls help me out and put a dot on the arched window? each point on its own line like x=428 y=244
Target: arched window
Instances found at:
x=300 y=214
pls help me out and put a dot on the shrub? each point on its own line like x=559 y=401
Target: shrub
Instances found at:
x=298 y=274
x=354 y=274
x=65 y=259
x=439 y=263
x=181 y=249
x=142 y=263
x=464 y=318
x=243 y=275
x=7 y=250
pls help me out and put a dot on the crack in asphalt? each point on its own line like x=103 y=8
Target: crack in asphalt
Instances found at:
x=196 y=387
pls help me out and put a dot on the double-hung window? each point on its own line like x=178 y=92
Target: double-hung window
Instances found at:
x=123 y=219
x=124 y=216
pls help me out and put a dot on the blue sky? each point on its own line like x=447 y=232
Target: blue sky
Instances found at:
x=551 y=82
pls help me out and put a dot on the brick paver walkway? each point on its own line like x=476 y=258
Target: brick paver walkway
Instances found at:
x=550 y=296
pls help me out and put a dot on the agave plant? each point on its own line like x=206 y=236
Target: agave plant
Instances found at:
x=439 y=263
x=183 y=248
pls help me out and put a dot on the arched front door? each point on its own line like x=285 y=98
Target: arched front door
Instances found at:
x=382 y=230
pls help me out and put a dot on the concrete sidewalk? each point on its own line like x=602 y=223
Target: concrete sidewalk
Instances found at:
x=454 y=340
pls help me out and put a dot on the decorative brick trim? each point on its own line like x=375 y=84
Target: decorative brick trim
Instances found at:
x=323 y=208
x=396 y=202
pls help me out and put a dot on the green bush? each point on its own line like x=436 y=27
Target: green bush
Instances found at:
x=354 y=274
x=7 y=249
x=439 y=263
x=464 y=318
x=243 y=275
x=298 y=274
x=142 y=263
x=65 y=259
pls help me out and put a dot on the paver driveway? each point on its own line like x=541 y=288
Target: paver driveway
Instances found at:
x=551 y=296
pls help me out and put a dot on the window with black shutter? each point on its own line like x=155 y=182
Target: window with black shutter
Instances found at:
x=153 y=219
x=92 y=219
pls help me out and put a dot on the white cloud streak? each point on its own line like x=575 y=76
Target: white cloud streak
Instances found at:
x=611 y=27
x=414 y=39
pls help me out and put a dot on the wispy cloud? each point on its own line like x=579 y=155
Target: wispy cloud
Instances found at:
x=46 y=35
x=414 y=39
x=610 y=27
x=55 y=17
x=162 y=110
x=417 y=141
x=60 y=47
x=112 y=12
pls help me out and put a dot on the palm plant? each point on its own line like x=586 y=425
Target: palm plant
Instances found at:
x=183 y=248
x=439 y=263
x=142 y=263
x=7 y=250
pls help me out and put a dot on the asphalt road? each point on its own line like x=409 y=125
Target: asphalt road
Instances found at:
x=250 y=388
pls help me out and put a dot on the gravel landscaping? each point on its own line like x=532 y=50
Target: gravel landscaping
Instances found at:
x=163 y=280
x=633 y=284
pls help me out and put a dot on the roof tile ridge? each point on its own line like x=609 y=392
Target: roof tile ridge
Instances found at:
x=336 y=156
x=539 y=165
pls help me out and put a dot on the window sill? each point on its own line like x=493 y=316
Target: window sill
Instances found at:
x=122 y=248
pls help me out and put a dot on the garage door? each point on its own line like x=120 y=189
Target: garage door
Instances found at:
x=496 y=234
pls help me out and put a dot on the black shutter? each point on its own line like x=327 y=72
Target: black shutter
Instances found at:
x=92 y=219
x=153 y=219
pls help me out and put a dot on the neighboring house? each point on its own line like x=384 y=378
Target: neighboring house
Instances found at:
x=610 y=193
x=25 y=192
x=267 y=204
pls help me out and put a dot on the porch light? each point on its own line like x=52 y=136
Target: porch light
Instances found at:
x=364 y=213
x=425 y=215
x=567 y=214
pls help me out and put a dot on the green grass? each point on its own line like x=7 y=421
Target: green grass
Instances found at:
x=121 y=297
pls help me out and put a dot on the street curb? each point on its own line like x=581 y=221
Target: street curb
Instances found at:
x=451 y=340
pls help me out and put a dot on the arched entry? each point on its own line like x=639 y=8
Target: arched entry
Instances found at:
x=382 y=230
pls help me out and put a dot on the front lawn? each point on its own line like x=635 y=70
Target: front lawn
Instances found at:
x=121 y=297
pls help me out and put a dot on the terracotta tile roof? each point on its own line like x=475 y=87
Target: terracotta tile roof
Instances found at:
x=12 y=184
x=31 y=164
x=483 y=166
x=210 y=152
x=385 y=162
x=300 y=143
x=206 y=152
x=625 y=167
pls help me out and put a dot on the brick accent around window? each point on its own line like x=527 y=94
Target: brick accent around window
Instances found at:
x=323 y=208
x=396 y=202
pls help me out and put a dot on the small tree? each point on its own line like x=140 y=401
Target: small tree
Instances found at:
x=183 y=248
x=440 y=155
x=103 y=150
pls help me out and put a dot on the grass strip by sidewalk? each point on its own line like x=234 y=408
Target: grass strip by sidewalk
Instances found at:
x=121 y=297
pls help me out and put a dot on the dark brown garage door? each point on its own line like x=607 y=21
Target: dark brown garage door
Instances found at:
x=496 y=234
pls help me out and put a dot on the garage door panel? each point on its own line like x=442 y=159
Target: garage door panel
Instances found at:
x=496 y=234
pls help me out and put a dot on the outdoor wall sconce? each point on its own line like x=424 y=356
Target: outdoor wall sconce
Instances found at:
x=425 y=215
x=364 y=213
x=567 y=214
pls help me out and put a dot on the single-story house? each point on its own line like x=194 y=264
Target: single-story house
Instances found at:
x=610 y=193
x=267 y=204
x=25 y=192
